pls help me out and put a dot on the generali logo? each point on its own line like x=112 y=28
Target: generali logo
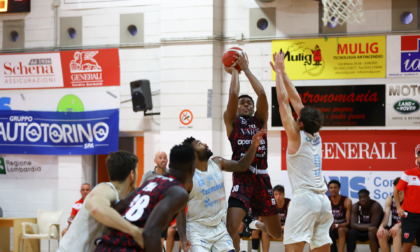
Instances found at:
x=359 y=150
x=85 y=70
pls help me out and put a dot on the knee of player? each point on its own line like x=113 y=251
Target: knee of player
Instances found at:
x=171 y=231
x=342 y=231
x=372 y=235
x=276 y=235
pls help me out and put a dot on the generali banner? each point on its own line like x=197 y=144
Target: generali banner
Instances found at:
x=333 y=58
x=373 y=150
x=67 y=69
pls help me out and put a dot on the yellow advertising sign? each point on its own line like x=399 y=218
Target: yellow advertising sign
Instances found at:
x=333 y=58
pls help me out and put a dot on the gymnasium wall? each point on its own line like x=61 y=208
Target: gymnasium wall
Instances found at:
x=181 y=56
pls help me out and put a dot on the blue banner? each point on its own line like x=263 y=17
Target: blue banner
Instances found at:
x=59 y=133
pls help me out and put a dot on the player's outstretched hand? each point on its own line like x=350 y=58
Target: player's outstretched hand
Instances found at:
x=241 y=61
x=278 y=65
x=256 y=139
x=137 y=235
x=230 y=70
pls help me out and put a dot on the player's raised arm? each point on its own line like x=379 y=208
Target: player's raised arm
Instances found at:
x=262 y=103
x=290 y=125
x=291 y=90
x=229 y=117
x=174 y=200
x=242 y=164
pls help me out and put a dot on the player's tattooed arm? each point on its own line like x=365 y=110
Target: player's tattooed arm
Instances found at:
x=262 y=102
x=174 y=200
x=229 y=116
x=242 y=164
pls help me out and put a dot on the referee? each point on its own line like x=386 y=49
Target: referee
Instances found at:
x=410 y=211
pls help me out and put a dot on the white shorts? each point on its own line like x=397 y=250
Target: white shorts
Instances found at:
x=205 y=239
x=309 y=219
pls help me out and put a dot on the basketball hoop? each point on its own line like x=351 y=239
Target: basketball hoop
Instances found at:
x=341 y=11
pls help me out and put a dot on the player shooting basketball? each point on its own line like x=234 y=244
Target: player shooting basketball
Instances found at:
x=252 y=188
x=310 y=216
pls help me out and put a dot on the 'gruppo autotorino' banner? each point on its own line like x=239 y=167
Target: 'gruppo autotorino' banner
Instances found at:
x=403 y=56
x=361 y=105
x=59 y=123
x=67 y=69
x=403 y=105
x=333 y=58
x=367 y=150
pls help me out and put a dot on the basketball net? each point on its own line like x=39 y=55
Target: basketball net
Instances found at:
x=341 y=11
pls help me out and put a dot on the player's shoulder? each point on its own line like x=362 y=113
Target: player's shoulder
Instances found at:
x=413 y=171
x=79 y=201
x=177 y=192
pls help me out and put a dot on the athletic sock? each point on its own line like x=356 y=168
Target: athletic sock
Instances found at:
x=255 y=244
x=253 y=223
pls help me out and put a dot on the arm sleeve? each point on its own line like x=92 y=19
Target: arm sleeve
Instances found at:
x=402 y=184
x=73 y=211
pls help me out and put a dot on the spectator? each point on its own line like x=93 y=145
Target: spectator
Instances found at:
x=393 y=233
x=410 y=211
x=341 y=210
x=84 y=191
x=283 y=204
x=370 y=213
x=161 y=161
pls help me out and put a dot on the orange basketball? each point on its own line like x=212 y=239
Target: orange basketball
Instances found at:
x=228 y=59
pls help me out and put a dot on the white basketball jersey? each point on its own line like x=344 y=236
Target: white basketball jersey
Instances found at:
x=305 y=166
x=83 y=231
x=207 y=204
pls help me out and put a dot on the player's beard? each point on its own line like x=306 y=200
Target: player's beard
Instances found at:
x=205 y=155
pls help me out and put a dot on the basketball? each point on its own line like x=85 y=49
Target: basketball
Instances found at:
x=228 y=59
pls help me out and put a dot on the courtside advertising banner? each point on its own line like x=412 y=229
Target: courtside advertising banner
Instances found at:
x=379 y=184
x=333 y=58
x=365 y=150
x=28 y=167
x=403 y=56
x=60 y=123
x=403 y=105
x=67 y=69
x=361 y=105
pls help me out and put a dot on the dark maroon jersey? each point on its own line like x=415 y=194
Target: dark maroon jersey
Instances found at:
x=283 y=211
x=241 y=139
x=142 y=204
x=365 y=216
x=394 y=213
x=339 y=211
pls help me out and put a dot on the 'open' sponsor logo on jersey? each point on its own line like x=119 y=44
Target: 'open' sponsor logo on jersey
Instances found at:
x=244 y=142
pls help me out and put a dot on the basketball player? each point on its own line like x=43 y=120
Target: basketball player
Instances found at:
x=366 y=216
x=207 y=201
x=96 y=211
x=154 y=205
x=309 y=217
x=341 y=210
x=392 y=233
x=283 y=204
x=251 y=189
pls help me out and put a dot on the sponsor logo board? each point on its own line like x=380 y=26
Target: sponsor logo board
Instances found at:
x=28 y=167
x=333 y=58
x=403 y=105
x=403 y=56
x=374 y=150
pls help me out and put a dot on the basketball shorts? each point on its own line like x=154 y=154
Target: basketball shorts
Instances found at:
x=255 y=191
x=206 y=239
x=309 y=219
x=410 y=227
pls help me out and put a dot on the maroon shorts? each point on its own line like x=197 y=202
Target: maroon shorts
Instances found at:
x=255 y=191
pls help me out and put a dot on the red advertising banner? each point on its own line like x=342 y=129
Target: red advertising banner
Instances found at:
x=67 y=69
x=365 y=150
